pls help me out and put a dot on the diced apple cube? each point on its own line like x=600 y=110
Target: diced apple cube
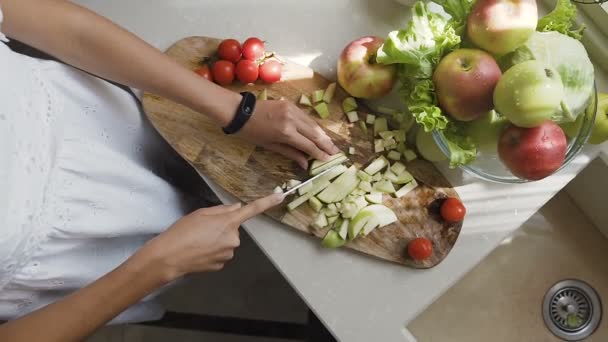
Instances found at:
x=320 y=222
x=318 y=166
x=389 y=175
x=364 y=176
x=352 y=116
x=404 y=178
x=317 y=95
x=370 y=119
x=305 y=100
x=349 y=104
x=263 y=95
x=409 y=155
x=322 y=110
x=397 y=168
x=332 y=219
x=374 y=197
x=378 y=145
x=293 y=183
x=298 y=201
x=401 y=147
x=329 y=92
x=380 y=125
x=377 y=177
x=365 y=186
x=387 y=134
x=404 y=190
x=400 y=135
x=394 y=155
x=385 y=186
x=351 y=150
x=343 y=229
x=377 y=165
x=389 y=143
x=305 y=188
x=315 y=204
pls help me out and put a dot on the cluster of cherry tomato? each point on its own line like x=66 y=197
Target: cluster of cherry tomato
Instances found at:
x=452 y=211
x=247 y=63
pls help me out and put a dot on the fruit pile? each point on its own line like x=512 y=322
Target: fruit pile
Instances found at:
x=247 y=63
x=491 y=78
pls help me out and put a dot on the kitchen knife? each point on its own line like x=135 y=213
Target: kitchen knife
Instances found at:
x=308 y=181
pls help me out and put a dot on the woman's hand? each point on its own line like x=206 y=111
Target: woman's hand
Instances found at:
x=203 y=240
x=282 y=127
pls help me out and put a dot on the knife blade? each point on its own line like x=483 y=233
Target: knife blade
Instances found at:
x=308 y=181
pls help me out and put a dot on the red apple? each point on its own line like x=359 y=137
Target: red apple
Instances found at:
x=358 y=72
x=533 y=153
x=501 y=26
x=464 y=82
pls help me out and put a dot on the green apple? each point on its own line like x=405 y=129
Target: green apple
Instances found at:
x=529 y=93
x=332 y=240
x=370 y=218
x=599 y=134
x=486 y=131
x=427 y=147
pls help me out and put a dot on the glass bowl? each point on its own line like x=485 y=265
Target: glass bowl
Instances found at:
x=487 y=165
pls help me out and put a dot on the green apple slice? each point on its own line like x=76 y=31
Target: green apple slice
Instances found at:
x=320 y=222
x=378 y=145
x=390 y=176
x=365 y=186
x=322 y=110
x=380 y=125
x=364 y=176
x=394 y=155
x=403 y=178
x=315 y=204
x=341 y=187
x=317 y=95
x=387 y=135
x=349 y=104
x=352 y=116
x=343 y=229
x=305 y=100
x=329 y=93
x=429 y=150
x=397 y=168
x=377 y=165
x=401 y=147
x=293 y=183
x=377 y=177
x=385 y=186
x=332 y=240
x=389 y=143
x=263 y=95
x=370 y=118
x=332 y=219
x=383 y=215
x=400 y=135
x=404 y=190
x=298 y=201
x=351 y=150
x=318 y=166
x=374 y=197
x=363 y=127
x=356 y=225
x=305 y=188
x=409 y=155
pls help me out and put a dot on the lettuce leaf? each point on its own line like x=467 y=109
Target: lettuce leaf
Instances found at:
x=458 y=10
x=462 y=148
x=561 y=20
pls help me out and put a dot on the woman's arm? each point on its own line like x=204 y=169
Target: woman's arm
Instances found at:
x=202 y=241
x=90 y=42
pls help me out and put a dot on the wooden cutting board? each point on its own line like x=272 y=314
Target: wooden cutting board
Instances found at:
x=250 y=172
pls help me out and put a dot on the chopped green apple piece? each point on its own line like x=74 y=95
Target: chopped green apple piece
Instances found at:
x=317 y=95
x=387 y=134
x=378 y=145
x=351 y=150
x=315 y=204
x=394 y=155
x=318 y=166
x=385 y=186
x=332 y=240
x=322 y=110
x=363 y=127
x=332 y=207
x=349 y=104
x=364 y=176
x=357 y=224
x=397 y=168
x=380 y=125
x=377 y=177
x=370 y=119
x=277 y=190
x=365 y=186
x=263 y=95
x=338 y=205
x=341 y=187
x=320 y=222
x=351 y=208
x=389 y=143
x=298 y=201
x=387 y=111
x=400 y=135
x=358 y=192
x=343 y=229
x=409 y=155
x=389 y=175
x=404 y=177
x=374 y=197
x=377 y=165
x=305 y=100
x=332 y=219
x=381 y=216
x=401 y=147
x=406 y=188
x=305 y=188
x=329 y=92
x=352 y=116
x=293 y=183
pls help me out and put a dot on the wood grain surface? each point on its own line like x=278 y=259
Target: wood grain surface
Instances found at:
x=250 y=172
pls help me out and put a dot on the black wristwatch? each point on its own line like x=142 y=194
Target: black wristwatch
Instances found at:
x=243 y=113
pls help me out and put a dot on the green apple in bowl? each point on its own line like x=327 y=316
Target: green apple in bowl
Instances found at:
x=501 y=26
x=486 y=131
x=529 y=93
x=599 y=133
x=358 y=72
x=464 y=82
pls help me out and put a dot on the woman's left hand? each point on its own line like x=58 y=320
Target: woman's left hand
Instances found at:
x=282 y=127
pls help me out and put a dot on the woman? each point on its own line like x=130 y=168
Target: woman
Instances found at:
x=81 y=202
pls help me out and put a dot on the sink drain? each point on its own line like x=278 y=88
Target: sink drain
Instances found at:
x=572 y=310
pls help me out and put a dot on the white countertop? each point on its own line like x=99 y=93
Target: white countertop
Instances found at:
x=357 y=297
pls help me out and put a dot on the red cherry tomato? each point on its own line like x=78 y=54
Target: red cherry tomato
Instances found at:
x=230 y=50
x=223 y=72
x=247 y=71
x=253 y=49
x=452 y=210
x=270 y=71
x=204 y=72
x=420 y=248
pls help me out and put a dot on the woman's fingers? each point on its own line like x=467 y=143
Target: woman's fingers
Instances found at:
x=306 y=145
x=311 y=130
x=219 y=209
x=258 y=206
x=290 y=153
